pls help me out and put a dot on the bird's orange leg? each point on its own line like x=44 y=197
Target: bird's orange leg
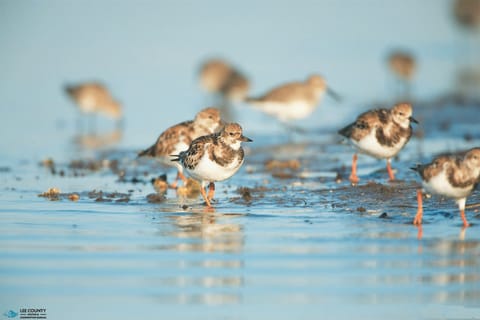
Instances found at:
x=204 y=195
x=465 y=222
x=211 y=190
x=353 y=176
x=418 y=216
x=390 y=171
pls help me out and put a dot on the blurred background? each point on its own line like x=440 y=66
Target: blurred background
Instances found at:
x=149 y=53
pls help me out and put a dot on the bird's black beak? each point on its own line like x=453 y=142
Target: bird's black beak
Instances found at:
x=245 y=139
x=412 y=119
x=334 y=95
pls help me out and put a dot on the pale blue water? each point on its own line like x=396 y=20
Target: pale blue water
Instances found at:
x=301 y=248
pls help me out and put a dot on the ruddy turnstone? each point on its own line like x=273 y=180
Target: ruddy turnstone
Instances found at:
x=380 y=133
x=293 y=101
x=93 y=97
x=178 y=138
x=453 y=176
x=218 y=76
x=215 y=157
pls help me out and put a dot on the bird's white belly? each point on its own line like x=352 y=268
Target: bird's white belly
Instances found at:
x=439 y=184
x=287 y=111
x=207 y=170
x=166 y=159
x=370 y=145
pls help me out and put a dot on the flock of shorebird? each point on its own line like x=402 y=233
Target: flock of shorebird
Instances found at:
x=210 y=150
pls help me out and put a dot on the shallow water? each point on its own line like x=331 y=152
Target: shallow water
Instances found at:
x=285 y=243
x=302 y=244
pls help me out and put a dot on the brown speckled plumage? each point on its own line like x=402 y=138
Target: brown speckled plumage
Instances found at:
x=380 y=133
x=387 y=131
x=215 y=157
x=216 y=146
x=451 y=175
x=207 y=121
x=459 y=168
x=165 y=143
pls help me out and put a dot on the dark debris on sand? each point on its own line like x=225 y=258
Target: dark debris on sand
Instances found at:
x=283 y=169
x=373 y=196
x=54 y=194
x=156 y=198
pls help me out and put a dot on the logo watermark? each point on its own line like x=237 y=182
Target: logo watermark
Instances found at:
x=27 y=313
x=10 y=314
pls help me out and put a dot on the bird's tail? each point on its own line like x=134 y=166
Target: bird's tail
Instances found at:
x=68 y=88
x=150 y=152
x=252 y=100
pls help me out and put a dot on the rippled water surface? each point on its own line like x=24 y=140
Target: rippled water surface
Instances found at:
x=297 y=242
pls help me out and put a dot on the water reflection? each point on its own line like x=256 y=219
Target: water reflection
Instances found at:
x=207 y=233
x=453 y=266
x=394 y=266
x=98 y=140
x=213 y=278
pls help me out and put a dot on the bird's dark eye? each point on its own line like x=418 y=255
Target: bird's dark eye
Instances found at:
x=361 y=125
x=231 y=134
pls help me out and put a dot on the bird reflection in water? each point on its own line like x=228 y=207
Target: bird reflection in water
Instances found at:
x=452 y=264
x=440 y=269
x=92 y=141
x=219 y=268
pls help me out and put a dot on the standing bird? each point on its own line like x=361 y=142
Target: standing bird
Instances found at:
x=452 y=176
x=380 y=133
x=215 y=157
x=219 y=77
x=293 y=101
x=178 y=138
x=403 y=66
x=93 y=97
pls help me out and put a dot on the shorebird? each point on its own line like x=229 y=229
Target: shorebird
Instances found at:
x=293 y=101
x=214 y=157
x=178 y=138
x=380 y=133
x=93 y=97
x=454 y=176
x=219 y=77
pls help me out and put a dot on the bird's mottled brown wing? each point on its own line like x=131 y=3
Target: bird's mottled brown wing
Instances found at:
x=195 y=152
x=362 y=126
x=224 y=154
x=165 y=144
x=285 y=92
x=459 y=175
